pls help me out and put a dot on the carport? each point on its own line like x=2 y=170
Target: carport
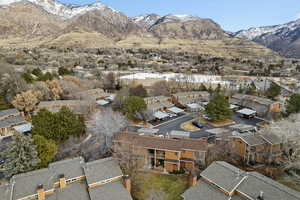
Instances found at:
x=175 y=110
x=160 y=115
x=194 y=107
x=24 y=128
x=247 y=113
x=102 y=102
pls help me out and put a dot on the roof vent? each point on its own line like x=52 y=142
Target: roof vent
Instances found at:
x=40 y=186
x=261 y=196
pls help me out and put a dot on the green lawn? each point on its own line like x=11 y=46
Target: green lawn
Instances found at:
x=170 y=187
x=289 y=183
x=3 y=104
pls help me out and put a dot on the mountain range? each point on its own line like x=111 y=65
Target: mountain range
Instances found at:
x=284 y=38
x=49 y=23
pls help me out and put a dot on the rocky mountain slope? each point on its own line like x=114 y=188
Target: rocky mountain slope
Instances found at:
x=284 y=38
x=147 y=20
x=48 y=23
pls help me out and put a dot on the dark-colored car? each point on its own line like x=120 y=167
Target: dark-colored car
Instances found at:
x=198 y=124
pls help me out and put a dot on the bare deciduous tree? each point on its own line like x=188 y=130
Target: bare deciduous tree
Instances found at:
x=108 y=123
x=27 y=101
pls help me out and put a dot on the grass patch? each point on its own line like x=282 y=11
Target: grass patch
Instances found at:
x=4 y=105
x=188 y=126
x=168 y=186
x=291 y=184
x=218 y=124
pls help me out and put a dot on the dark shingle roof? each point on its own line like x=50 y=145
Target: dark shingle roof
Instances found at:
x=110 y=191
x=100 y=170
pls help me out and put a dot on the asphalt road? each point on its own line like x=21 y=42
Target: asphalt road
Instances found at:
x=175 y=125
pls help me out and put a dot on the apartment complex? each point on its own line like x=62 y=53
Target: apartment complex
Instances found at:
x=185 y=98
x=222 y=181
x=257 y=148
x=9 y=120
x=162 y=154
x=70 y=180
x=158 y=103
x=82 y=107
x=262 y=106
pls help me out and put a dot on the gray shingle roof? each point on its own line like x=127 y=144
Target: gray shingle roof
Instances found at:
x=101 y=170
x=70 y=168
x=9 y=112
x=204 y=191
x=231 y=179
x=5 y=191
x=224 y=175
x=271 y=138
x=10 y=122
x=108 y=192
x=26 y=184
x=255 y=183
x=252 y=140
x=74 y=191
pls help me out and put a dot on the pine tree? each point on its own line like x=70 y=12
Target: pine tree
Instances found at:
x=218 y=108
x=273 y=91
x=21 y=156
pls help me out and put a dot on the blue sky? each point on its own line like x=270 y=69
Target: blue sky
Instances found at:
x=232 y=15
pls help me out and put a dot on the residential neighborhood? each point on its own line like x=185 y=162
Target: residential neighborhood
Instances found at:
x=104 y=104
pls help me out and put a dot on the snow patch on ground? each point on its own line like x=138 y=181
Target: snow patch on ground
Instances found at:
x=197 y=78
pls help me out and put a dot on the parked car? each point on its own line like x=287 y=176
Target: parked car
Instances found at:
x=198 y=124
x=206 y=117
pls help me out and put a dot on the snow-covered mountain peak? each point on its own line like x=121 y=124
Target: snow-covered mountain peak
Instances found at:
x=181 y=17
x=146 y=20
x=253 y=33
x=60 y=9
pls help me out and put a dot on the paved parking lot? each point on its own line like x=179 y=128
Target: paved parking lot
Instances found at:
x=175 y=125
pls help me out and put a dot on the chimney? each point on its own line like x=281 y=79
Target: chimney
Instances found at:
x=127 y=183
x=261 y=196
x=62 y=181
x=193 y=179
x=41 y=192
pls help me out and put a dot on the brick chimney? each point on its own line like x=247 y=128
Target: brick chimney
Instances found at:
x=62 y=181
x=127 y=183
x=41 y=192
x=193 y=179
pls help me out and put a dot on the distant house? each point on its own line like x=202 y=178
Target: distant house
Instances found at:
x=10 y=119
x=163 y=154
x=158 y=103
x=222 y=181
x=95 y=95
x=185 y=98
x=264 y=107
x=82 y=107
x=257 y=148
x=70 y=180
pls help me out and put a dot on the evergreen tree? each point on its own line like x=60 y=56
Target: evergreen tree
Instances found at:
x=293 y=104
x=57 y=126
x=138 y=91
x=46 y=149
x=251 y=90
x=21 y=156
x=218 y=108
x=203 y=87
x=132 y=105
x=273 y=91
